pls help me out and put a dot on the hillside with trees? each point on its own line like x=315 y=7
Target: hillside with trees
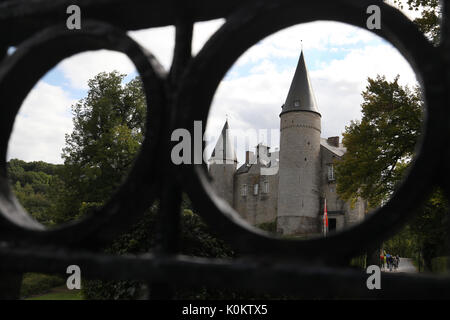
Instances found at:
x=36 y=186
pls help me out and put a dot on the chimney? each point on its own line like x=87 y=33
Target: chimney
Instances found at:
x=249 y=157
x=333 y=141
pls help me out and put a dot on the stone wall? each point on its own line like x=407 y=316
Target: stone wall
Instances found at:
x=223 y=180
x=259 y=208
x=353 y=214
x=328 y=188
x=356 y=213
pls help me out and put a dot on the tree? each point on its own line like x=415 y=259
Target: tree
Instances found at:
x=430 y=228
x=379 y=150
x=108 y=131
x=380 y=146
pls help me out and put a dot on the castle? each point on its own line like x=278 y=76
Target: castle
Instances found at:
x=291 y=188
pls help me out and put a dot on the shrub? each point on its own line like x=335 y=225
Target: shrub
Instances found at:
x=195 y=240
x=38 y=283
x=268 y=226
x=440 y=264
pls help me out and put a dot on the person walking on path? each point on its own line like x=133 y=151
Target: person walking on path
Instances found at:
x=389 y=261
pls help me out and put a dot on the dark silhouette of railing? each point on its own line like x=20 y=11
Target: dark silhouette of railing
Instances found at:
x=177 y=98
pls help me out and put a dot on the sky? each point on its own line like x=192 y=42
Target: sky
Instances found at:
x=339 y=58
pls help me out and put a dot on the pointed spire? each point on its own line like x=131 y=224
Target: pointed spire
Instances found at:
x=223 y=151
x=301 y=95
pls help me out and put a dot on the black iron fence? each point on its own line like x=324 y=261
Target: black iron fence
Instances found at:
x=177 y=98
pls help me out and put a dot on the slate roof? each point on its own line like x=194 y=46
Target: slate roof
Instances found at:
x=301 y=95
x=224 y=147
x=247 y=166
x=339 y=151
x=244 y=168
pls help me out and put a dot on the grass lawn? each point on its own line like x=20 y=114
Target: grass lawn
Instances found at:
x=59 y=293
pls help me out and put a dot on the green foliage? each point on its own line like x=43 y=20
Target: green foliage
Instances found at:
x=440 y=264
x=64 y=295
x=430 y=19
x=359 y=262
x=405 y=243
x=111 y=290
x=38 y=283
x=268 y=226
x=379 y=151
x=426 y=234
x=34 y=184
x=380 y=146
x=195 y=239
x=108 y=131
x=431 y=225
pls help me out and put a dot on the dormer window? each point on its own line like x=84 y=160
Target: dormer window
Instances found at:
x=297 y=103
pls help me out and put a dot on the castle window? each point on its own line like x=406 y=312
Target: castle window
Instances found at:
x=255 y=189
x=266 y=187
x=244 y=190
x=331 y=173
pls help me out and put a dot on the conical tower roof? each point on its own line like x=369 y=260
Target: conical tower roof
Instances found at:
x=301 y=95
x=224 y=151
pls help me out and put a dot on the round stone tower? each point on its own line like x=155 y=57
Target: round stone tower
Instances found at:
x=299 y=166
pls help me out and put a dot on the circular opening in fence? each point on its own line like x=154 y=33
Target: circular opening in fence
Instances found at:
x=313 y=128
x=122 y=209
x=76 y=136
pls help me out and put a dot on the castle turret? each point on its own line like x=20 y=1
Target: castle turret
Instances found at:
x=222 y=165
x=299 y=168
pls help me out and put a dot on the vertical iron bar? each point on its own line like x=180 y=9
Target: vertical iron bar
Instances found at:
x=183 y=50
x=170 y=192
x=3 y=52
x=445 y=25
x=10 y=282
x=445 y=50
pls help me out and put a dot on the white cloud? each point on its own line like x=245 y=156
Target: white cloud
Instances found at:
x=39 y=129
x=339 y=84
x=81 y=67
x=318 y=35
